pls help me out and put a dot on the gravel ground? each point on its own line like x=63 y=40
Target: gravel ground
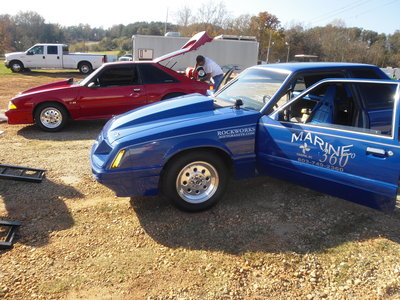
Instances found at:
x=267 y=239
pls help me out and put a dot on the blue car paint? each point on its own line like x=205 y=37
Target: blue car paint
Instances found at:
x=255 y=143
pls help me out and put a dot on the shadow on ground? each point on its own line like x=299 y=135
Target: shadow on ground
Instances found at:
x=38 y=206
x=75 y=130
x=266 y=215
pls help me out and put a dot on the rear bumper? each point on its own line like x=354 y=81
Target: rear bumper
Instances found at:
x=127 y=183
x=18 y=116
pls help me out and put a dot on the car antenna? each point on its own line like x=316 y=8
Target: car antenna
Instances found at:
x=238 y=103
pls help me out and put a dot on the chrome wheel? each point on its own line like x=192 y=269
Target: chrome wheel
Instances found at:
x=85 y=69
x=51 y=117
x=197 y=182
x=16 y=67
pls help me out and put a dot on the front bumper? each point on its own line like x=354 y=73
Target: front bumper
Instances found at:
x=7 y=64
x=19 y=116
x=127 y=183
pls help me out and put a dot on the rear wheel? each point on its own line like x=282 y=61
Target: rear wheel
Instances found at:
x=85 y=67
x=16 y=66
x=195 y=181
x=51 y=117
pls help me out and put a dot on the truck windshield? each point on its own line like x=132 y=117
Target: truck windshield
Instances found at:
x=255 y=87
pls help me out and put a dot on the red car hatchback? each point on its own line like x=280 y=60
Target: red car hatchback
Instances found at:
x=112 y=89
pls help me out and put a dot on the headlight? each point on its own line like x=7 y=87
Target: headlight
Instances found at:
x=11 y=105
x=117 y=159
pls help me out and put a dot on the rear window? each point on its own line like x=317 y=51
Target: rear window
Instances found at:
x=153 y=75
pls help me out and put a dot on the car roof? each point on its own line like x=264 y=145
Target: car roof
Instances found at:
x=301 y=66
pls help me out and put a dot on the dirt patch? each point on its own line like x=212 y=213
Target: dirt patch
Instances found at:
x=267 y=239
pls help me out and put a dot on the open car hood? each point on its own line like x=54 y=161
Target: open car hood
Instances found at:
x=198 y=40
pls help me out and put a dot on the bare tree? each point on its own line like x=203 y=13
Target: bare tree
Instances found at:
x=184 y=16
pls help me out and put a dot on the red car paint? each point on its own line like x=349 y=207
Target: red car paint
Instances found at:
x=87 y=103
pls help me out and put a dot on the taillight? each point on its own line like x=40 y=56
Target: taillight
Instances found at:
x=102 y=60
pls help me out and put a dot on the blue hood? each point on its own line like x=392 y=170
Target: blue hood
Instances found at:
x=157 y=114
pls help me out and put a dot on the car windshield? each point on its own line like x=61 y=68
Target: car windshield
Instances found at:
x=255 y=87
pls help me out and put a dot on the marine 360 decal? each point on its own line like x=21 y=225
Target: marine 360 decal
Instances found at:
x=330 y=156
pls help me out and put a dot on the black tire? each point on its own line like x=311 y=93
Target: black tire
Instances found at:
x=207 y=178
x=172 y=95
x=85 y=67
x=51 y=116
x=16 y=66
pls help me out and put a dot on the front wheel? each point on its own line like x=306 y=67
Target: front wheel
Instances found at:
x=195 y=181
x=51 y=117
x=16 y=66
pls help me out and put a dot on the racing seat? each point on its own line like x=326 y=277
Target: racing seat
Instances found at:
x=323 y=112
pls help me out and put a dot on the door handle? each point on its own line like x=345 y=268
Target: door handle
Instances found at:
x=379 y=152
x=58 y=57
x=44 y=57
x=137 y=90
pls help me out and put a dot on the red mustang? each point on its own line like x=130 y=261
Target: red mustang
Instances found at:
x=111 y=90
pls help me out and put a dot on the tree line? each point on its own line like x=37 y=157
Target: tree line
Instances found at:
x=334 y=42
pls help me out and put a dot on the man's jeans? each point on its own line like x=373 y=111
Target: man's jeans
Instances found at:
x=217 y=81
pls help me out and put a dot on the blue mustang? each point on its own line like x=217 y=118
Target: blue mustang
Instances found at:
x=332 y=127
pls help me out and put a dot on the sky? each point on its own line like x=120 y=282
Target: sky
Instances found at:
x=382 y=16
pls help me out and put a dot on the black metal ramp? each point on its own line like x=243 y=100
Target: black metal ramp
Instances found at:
x=8 y=241
x=21 y=173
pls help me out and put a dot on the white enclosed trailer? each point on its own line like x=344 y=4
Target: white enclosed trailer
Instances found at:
x=228 y=51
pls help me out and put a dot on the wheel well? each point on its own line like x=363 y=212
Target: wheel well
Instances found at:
x=83 y=62
x=16 y=60
x=220 y=153
x=48 y=102
x=172 y=95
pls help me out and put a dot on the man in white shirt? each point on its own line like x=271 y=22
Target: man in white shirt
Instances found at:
x=212 y=69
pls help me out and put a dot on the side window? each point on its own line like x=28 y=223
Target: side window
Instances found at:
x=335 y=105
x=303 y=81
x=52 y=50
x=365 y=74
x=153 y=75
x=117 y=76
x=36 y=50
x=65 y=49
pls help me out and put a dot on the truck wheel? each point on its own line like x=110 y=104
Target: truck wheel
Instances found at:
x=16 y=66
x=195 y=181
x=85 y=67
x=51 y=117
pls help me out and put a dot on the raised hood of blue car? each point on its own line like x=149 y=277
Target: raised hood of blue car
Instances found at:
x=155 y=113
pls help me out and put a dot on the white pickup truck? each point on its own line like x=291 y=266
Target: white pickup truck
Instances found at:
x=55 y=56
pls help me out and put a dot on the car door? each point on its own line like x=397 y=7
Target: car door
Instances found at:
x=158 y=83
x=327 y=139
x=35 y=57
x=115 y=90
x=53 y=57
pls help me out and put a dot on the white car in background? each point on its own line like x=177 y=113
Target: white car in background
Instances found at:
x=126 y=57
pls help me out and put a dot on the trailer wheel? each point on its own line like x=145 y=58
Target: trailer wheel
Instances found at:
x=85 y=67
x=51 y=116
x=195 y=181
x=16 y=66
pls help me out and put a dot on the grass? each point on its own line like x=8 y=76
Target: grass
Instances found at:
x=3 y=69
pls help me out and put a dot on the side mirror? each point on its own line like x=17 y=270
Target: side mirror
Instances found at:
x=92 y=85
x=29 y=53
